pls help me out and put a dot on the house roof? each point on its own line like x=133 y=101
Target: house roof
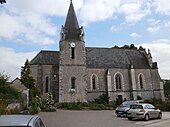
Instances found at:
x=18 y=84
x=115 y=58
x=100 y=58
x=46 y=58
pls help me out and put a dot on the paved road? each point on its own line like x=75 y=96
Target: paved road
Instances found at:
x=68 y=118
x=164 y=122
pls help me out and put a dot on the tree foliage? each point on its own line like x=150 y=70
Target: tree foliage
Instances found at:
x=7 y=91
x=26 y=77
x=29 y=81
x=167 y=87
x=102 y=99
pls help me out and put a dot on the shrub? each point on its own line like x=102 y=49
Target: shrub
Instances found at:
x=34 y=106
x=49 y=110
x=102 y=99
x=3 y=108
x=114 y=104
x=73 y=105
x=15 y=111
x=94 y=107
x=164 y=106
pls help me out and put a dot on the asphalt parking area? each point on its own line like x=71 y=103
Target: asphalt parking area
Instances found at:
x=70 y=118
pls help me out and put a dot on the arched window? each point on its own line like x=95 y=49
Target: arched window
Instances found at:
x=46 y=84
x=93 y=82
x=73 y=81
x=141 y=81
x=118 y=82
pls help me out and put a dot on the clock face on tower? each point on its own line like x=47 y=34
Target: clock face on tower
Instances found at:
x=72 y=45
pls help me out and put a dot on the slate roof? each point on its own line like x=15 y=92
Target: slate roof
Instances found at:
x=71 y=20
x=100 y=58
x=46 y=58
x=115 y=58
x=71 y=25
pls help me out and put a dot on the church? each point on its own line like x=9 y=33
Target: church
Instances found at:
x=77 y=73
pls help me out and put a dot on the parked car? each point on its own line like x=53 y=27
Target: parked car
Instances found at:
x=144 y=111
x=21 y=120
x=125 y=106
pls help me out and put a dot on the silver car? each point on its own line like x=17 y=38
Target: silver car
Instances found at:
x=125 y=106
x=145 y=111
x=21 y=121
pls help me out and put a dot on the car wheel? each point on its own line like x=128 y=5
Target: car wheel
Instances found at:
x=160 y=116
x=129 y=118
x=146 y=117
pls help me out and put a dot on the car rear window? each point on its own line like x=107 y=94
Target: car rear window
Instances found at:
x=136 y=107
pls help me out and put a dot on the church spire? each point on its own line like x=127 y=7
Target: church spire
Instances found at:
x=71 y=20
x=71 y=30
x=71 y=24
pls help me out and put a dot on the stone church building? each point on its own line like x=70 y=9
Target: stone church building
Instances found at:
x=77 y=73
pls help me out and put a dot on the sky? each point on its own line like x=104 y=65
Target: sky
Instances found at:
x=29 y=26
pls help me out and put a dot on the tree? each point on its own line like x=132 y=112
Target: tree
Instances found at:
x=29 y=81
x=26 y=77
x=6 y=91
x=167 y=88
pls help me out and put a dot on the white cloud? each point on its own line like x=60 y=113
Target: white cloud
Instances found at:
x=113 y=28
x=160 y=53
x=167 y=24
x=24 y=29
x=153 y=29
x=12 y=61
x=97 y=10
x=29 y=22
x=135 y=10
x=163 y=7
x=134 y=35
x=9 y=26
x=154 y=26
x=154 y=22
x=41 y=7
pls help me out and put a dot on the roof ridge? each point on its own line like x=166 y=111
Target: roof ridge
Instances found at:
x=48 y=51
x=111 y=48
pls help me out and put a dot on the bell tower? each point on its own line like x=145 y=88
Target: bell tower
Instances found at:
x=72 y=70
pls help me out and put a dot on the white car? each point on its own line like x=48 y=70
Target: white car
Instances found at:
x=21 y=121
x=145 y=111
